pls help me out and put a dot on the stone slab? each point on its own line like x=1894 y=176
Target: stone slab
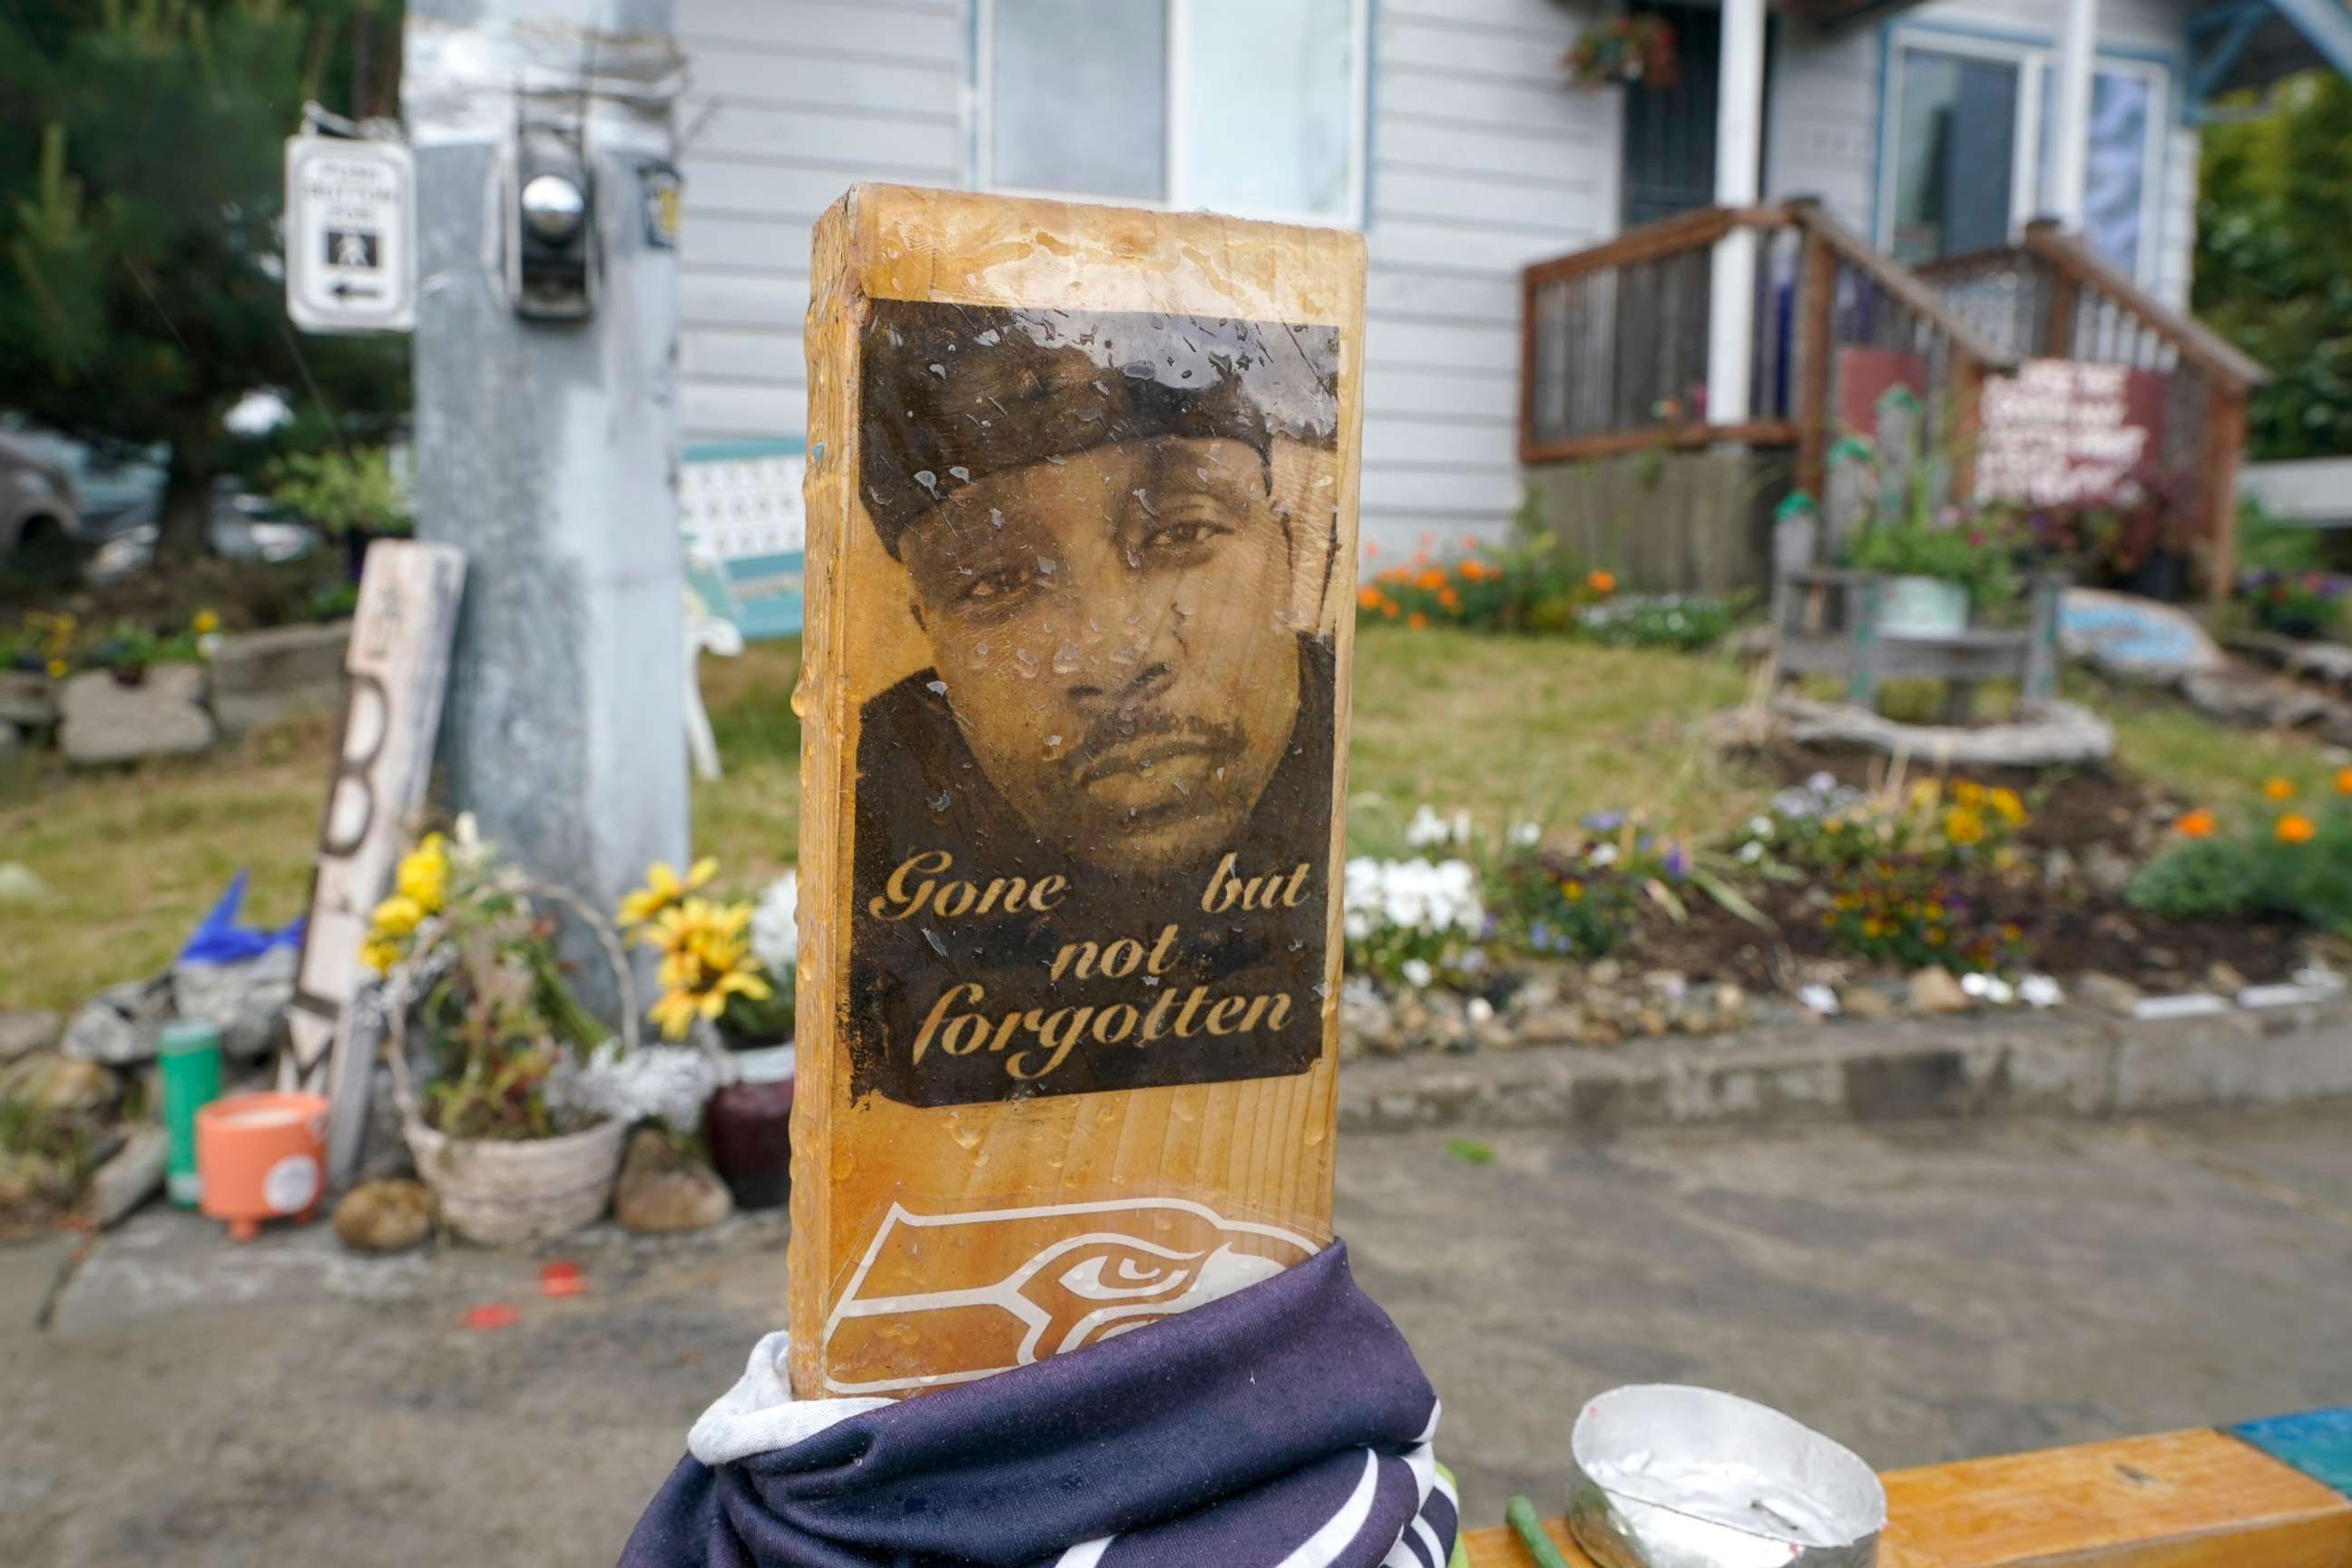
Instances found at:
x=27 y=700
x=107 y=723
x=2069 y=1062
x=264 y=678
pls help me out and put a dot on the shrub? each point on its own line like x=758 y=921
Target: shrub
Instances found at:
x=2198 y=878
x=1656 y=620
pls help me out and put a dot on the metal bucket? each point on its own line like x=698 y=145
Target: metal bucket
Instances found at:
x=1670 y=1476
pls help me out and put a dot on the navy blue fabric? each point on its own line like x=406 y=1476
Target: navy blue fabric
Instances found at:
x=1229 y=1434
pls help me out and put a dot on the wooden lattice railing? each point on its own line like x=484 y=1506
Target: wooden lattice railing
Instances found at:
x=1615 y=349
x=2050 y=297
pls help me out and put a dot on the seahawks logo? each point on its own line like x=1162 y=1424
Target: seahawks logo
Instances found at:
x=940 y=1285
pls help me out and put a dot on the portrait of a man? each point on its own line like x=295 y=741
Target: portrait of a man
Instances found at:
x=1116 y=531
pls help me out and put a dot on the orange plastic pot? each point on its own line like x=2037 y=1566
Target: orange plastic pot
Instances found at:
x=261 y=1156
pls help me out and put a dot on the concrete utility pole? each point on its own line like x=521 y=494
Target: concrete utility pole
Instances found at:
x=1738 y=159
x=547 y=438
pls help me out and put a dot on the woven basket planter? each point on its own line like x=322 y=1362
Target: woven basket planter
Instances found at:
x=499 y=1192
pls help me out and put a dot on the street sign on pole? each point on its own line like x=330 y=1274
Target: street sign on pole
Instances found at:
x=350 y=234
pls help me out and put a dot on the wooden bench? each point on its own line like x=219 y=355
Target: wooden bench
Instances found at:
x=2247 y=1498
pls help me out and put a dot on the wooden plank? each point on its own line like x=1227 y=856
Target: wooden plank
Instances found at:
x=2180 y=1500
x=1684 y=231
x=2225 y=444
x=1817 y=307
x=1674 y=438
x=398 y=664
x=1081 y=481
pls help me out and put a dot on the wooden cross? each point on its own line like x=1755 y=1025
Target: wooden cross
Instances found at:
x=1080 y=596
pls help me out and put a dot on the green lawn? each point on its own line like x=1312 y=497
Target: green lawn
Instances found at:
x=1503 y=728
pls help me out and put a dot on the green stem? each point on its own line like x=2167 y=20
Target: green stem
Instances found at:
x=1521 y=1516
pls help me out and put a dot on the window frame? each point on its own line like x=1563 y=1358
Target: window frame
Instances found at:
x=1173 y=161
x=2033 y=58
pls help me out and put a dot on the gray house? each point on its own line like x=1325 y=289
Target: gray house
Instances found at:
x=1449 y=132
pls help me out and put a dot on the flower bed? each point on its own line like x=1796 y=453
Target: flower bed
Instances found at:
x=1940 y=891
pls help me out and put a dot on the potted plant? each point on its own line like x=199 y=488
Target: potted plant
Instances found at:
x=1940 y=561
x=464 y=941
x=728 y=966
x=353 y=496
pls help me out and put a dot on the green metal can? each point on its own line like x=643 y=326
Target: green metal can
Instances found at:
x=190 y=1054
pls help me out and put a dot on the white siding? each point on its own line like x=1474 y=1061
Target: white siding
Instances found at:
x=1823 y=123
x=1484 y=159
x=1480 y=158
x=792 y=102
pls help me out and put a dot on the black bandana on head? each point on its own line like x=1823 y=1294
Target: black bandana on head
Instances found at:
x=952 y=393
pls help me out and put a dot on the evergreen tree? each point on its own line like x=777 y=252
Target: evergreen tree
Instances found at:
x=142 y=295
x=2274 y=260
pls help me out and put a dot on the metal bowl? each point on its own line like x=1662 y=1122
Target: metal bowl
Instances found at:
x=1670 y=1477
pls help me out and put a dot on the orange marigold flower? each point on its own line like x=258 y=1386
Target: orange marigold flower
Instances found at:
x=1417 y=621
x=1430 y=581
x=1449 y=599
x=1388 y=608
x=2275 y=788
x=2197 y=824
x=2343 y=780
x=2295 y=829
x=1602 y=582
x=1369 y=598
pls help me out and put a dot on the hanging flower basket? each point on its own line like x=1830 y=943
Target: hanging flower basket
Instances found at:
x=1625 y=52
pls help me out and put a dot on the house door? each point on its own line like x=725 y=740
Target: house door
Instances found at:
x=1670 y=130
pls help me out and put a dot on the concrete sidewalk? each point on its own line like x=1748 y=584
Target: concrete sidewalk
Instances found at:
x=1922 y=1291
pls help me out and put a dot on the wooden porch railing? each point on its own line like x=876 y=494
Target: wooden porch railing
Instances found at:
x=1614 y=339
x=2050 y=297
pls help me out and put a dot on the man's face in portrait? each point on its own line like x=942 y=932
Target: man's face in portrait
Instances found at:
x=1113 y=628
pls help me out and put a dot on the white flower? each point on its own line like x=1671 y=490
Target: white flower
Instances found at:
x=1822 y=783
x=1819 y=999
x=1411 y=895
x=775 y=925
x=2000 y=993
x=1417 y=974
x=1974 y=984
x=1752 y=852
x=1760 y=827
x=1525 y=835
x=1427 y=830
x=1603 y=855
x=668 y=1083
x=1480 y=1010
x=2041 y=991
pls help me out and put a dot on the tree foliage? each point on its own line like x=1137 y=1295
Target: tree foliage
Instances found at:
x=2274 y=260
x=140 y=189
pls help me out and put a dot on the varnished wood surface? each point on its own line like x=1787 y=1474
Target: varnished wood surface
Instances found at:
x=1255 y=1153
x=2176 y=1499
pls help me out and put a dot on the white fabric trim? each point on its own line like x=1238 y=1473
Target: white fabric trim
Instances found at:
x=760 y=1415
x=1322 y=1549
x=1085 y=1553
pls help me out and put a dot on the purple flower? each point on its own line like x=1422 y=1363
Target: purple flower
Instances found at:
x=1677 y=863
x=1605 y=821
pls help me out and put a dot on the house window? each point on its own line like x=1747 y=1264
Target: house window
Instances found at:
x=1968 y=159
x=1253 y=107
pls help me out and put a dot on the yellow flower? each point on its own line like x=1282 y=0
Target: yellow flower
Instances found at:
x=2007 y=806
x=205 y=624
x=379 y=954
x=2293 y=828
x=57 y=668
x=664 y=887
x=397 y=916
x=1963 y=827
x=2276 y=789
x=423 y=874
x=1572 y=890
x=1968 y=792
x=674 y=1013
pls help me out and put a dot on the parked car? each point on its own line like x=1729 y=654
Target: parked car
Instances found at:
x=40 y=519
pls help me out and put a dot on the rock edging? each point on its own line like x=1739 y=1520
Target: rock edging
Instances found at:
x=2066 y=1062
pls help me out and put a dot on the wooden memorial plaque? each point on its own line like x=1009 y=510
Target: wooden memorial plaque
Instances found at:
x=1080 y=580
